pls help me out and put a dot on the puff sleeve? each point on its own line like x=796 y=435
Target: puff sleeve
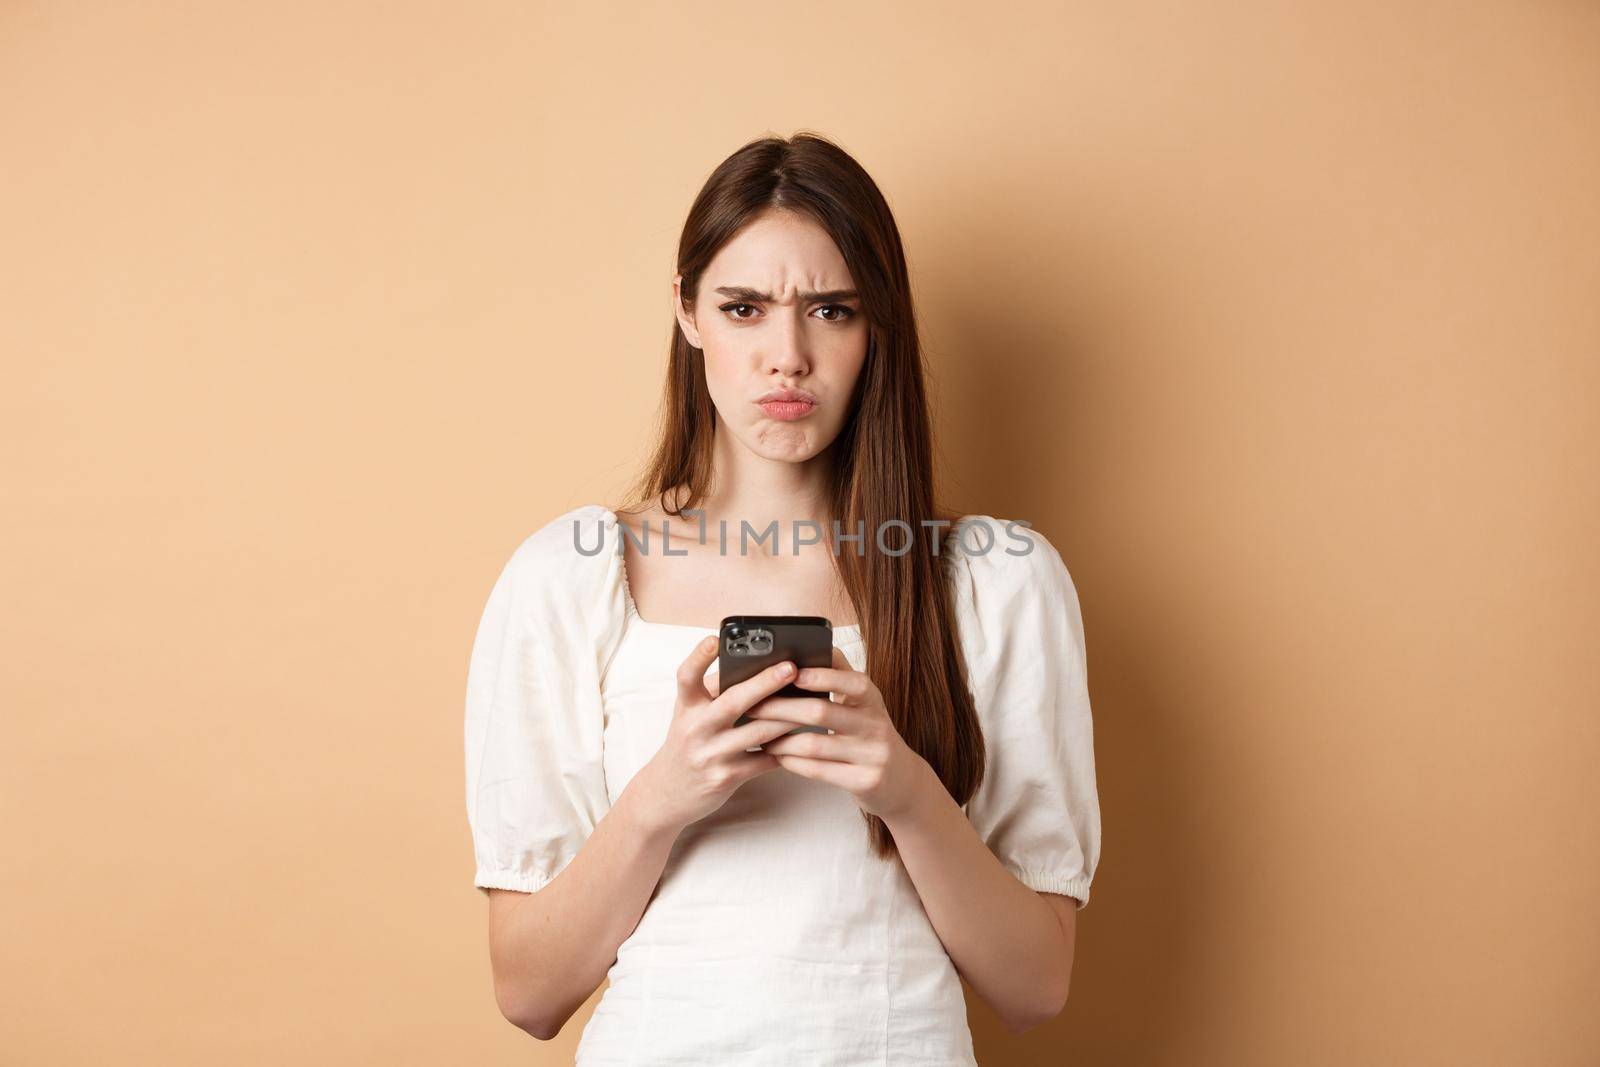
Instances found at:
x=535 y=775
x=1021 y=627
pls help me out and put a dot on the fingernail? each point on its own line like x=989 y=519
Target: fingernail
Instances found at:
x=785 y=670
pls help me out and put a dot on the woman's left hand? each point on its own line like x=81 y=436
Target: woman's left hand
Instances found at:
x=864 y=755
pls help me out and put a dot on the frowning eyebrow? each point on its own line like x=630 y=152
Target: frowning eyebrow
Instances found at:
x=744 y=292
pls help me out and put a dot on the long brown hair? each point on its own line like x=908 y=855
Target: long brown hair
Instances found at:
x=882 y=465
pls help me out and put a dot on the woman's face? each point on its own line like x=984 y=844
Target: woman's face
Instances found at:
x=777 y=310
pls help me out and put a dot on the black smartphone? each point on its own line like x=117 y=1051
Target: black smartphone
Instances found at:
x=749 y=644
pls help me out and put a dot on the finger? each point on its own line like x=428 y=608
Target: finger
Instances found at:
x=752 y=765
x=714 y=682
x=811 y=711
x=741 y=697
x=851 y=687
x=692 y=672
x=844 y=775
x=841 y=748
x=753 y=733
x=841 y=662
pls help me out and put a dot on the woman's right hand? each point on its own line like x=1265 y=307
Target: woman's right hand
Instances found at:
x=703 y=760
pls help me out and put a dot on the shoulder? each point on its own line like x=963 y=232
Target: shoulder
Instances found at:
x=572 y=557
x=1011 y=590
x=570 y=536
x=999 y=560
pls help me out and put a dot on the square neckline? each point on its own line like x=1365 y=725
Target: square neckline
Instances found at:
x=851 y=632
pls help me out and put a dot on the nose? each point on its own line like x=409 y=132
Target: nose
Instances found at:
x=784 y=350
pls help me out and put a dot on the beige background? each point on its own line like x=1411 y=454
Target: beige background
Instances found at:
x=1279 y=319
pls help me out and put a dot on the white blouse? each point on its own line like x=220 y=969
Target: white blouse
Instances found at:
x=775 y=936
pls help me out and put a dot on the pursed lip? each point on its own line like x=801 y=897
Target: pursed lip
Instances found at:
x=787 y=396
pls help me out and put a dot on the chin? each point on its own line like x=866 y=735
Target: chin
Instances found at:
x=786 y=443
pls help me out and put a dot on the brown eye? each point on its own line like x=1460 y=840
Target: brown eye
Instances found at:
x=729 y=307
x=844 y=312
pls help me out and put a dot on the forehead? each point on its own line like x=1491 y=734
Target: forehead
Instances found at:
x=779 y=252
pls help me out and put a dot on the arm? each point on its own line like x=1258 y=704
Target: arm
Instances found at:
x=549 y=950
x=1013 y=945
x=1010 y=943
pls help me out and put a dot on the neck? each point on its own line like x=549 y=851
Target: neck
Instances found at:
x=746 y=487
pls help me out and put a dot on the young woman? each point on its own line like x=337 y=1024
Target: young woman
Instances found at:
x=757 y=896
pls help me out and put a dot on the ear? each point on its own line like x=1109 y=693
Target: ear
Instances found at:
x=685 y=321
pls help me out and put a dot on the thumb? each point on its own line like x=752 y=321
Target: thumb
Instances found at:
x=692 y=672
